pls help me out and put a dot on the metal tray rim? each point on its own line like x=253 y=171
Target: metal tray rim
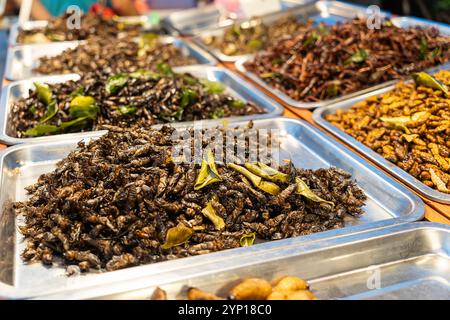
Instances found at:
x=416 y=212
x=278 y=109
x=318 y=117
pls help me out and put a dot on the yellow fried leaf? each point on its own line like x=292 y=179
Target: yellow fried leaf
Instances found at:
x=211 y=214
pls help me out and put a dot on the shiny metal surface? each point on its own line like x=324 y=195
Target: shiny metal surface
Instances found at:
x=409 y=261
x=234 y=84
x=320 y=11
x=330 y=12
x=22 y=59
x=388 y=203
x=319 y=117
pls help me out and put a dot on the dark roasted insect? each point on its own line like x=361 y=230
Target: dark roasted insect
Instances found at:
x=115 y=56
x=116 y=202
x=91 y=24
x=409 y=126
x=123 y=99
x=327 y=62
x=253 y=35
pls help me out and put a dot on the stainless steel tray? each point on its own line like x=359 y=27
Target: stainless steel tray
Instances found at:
x=21 y=60
x=412 y=262
x=146 y=22
x=319 y=117
x=189 y=22
x=235 y=86
x=331 y=12
x=388 y=203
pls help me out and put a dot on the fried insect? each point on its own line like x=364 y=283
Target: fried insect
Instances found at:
x=322 y=63
x=122 y=99
x=91 y=24
x=110 y=204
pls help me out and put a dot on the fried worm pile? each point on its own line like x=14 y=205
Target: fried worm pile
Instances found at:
x=328 y=62
x=122 y=99
x=114 y=56
x=121 y=201
x=409 y=126
x=91 y=24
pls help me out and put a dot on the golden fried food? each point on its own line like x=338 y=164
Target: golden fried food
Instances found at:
x=409 y=126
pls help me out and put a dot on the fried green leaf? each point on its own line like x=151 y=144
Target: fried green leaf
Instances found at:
x=146 y=74
x=44 y=93
x=267 y=172
x=423 y=49
x=77 y=92
x=257 y=181
x=218 y=113
x=247 y=239
x=188 y=97
x=427 y=80
x=148 y=40
x=177 y=236
x=237 y=104
x=404 y=120
x=116 y=82
x=304 y=190
x=333 y=88
x=410 y=137
x=313 y=37
x=76 y=122
x=255 y=44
